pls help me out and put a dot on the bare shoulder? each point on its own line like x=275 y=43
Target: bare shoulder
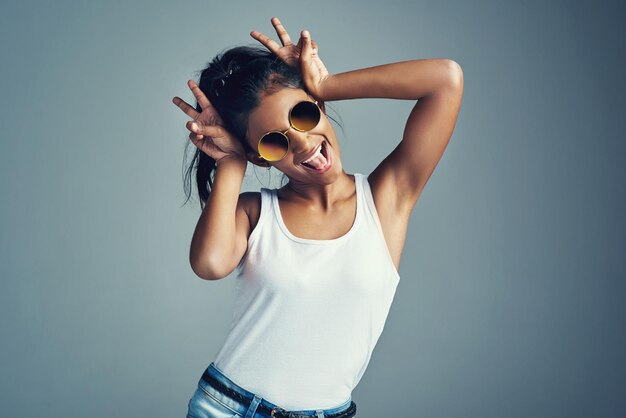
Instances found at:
x=251 y=203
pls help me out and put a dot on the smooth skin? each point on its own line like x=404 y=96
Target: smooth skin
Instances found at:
x=315 y=206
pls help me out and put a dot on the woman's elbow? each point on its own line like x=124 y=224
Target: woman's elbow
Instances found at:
x=456 y=73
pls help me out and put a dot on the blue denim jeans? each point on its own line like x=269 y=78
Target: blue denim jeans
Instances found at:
x=210 y=402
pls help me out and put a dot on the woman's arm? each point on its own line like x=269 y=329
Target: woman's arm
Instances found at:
x=220 y=238
x=402 y=80
x=437 y=84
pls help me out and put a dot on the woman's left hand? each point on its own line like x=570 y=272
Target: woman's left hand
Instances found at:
x=303 y=55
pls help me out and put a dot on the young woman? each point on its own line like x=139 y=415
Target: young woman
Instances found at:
x=317 y=260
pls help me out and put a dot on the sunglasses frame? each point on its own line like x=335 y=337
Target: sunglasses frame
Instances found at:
x=284 y=133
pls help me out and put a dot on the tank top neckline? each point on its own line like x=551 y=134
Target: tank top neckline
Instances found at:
x=355 y=224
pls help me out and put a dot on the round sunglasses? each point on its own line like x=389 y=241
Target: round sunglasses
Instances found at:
x=303 y=116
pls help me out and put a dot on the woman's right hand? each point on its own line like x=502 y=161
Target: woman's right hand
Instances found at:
x=303 y=55
x=207 y=130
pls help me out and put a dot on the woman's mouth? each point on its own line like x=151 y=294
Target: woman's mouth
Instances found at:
x=321 y=162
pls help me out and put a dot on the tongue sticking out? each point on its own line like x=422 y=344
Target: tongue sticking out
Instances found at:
x=318 y=162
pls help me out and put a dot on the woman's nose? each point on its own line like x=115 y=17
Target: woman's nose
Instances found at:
x=301 y=142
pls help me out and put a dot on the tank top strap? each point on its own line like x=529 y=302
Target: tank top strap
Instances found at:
x=370 y=212
x=363 y=189
x=358 y=180
x=368 y=203
x=265 y=211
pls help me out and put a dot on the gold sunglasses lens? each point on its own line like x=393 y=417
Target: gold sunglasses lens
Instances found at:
x=273 y=146
x=305 y=116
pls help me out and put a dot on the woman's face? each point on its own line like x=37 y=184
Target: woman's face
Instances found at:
x=272 y=114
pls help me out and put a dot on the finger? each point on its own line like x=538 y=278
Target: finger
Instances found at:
x=205 y=130
x=200 y=97
x=305 y=56
x=185 y=107
x=269 y=43
x=199 y=141
x=195 y=137
x=281 y=31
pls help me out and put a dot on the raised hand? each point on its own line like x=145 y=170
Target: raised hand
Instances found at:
x=303 y=55
x=207 y=130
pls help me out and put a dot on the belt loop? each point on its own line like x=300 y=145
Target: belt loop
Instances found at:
x=253 y=406
x=319 y=413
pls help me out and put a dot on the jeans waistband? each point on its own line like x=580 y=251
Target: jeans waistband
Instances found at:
x=214 y=377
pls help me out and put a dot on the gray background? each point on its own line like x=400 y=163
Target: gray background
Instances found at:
x=512 y=278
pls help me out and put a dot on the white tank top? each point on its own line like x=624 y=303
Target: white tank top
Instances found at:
x=308 y=313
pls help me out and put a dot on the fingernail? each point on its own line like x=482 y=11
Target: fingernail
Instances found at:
x=194 y=126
